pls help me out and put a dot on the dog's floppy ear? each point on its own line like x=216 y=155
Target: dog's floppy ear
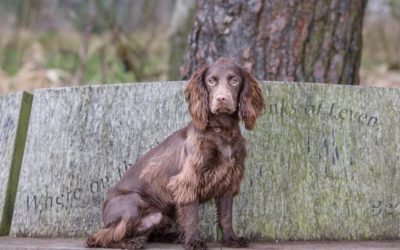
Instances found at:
x=197 y=98
x=251 y=103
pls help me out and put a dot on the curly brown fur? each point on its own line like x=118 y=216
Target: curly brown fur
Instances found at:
x=203 y=161
x=251 y=101
x=104 y=236
x=197 y=97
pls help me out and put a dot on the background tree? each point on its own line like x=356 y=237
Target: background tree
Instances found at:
x=285 y=40
x=180 y=26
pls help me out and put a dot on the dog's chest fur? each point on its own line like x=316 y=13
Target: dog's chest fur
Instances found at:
x=222 y=172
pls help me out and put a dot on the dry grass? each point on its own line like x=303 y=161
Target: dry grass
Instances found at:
x=29 y=61
x=380 y=76
x=33 y=73
x=380 y=65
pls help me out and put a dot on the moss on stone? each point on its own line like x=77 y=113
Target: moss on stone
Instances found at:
x=16 y=161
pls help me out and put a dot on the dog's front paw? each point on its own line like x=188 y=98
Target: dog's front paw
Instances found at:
x=238 y=242
x=195 y=244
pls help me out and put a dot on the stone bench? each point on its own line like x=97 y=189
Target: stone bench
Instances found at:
x=14 y=118
x=323 y=160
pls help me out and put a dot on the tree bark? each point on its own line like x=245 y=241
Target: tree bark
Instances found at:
x=283 y=40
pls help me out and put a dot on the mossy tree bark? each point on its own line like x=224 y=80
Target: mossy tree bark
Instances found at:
x=284 y=40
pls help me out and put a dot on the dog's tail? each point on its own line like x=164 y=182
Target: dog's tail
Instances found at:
x=105 y=237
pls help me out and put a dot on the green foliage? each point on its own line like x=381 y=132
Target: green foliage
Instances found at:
x=394 y=6
x=10 y=62
x=10 y=5
x=60 y=50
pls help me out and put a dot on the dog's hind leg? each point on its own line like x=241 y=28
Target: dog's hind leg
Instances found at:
x=123 y=235
x=121 y=215
x=149 y=221
x=136 y=236
x=105 y=236
x=127 y=219
x=130 y=243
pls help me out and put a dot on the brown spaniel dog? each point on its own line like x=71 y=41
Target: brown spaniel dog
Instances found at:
x=202 y=161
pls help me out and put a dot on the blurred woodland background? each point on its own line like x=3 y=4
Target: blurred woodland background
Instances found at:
x=53 y=43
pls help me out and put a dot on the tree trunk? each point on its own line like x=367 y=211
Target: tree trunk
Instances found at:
x=180 y=27
x=283 y=40
x=27 y=13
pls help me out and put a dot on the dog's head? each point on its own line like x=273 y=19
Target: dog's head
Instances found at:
x=223 y=88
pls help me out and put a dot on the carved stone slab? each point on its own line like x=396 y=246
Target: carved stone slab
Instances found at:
x=323 y=160
x=324 y=163
x=80 y=141
x=14 y=117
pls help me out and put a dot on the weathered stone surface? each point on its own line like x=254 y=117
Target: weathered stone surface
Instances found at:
x=80 y=141
x=323 y=160
x=323 y=164
x=14 y=117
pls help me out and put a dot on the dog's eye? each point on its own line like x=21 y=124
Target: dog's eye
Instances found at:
x=211 y=82
x=234 y=81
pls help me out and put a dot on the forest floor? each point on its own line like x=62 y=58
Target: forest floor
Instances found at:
x=31 y=61
x=380 y=76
